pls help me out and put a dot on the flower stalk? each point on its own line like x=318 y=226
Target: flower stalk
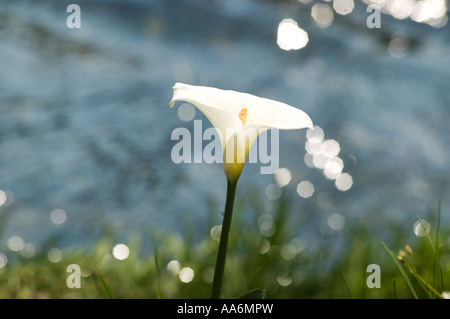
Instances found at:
x=223 y=244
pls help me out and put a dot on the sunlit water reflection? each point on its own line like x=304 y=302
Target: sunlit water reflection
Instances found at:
x=85 y=124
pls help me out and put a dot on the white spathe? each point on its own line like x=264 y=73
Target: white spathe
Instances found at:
x=239 y=118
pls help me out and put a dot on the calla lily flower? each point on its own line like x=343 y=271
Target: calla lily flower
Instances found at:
x=238 y=119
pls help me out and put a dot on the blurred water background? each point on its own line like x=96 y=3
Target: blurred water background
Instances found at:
x=85 y=123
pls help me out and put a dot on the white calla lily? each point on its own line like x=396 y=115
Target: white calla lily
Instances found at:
x=239 y=118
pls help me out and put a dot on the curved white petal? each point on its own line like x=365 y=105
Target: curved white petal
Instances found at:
x=261 y=112
x=241 y=117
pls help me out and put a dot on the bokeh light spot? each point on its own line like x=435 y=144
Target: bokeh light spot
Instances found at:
x=399 y=44
x=344 y=182
x=186 y=274
x=265 y=247
x=267 y=228
x=266 y=225
x=15 y=243
x=331 y=148
x=282 y=176
x=333 y=168
x=426 y=11
x=288 y=251
x=28 y=250
x=208 y=275
x=343 y=6
x=322 y=14
x=272 y=192
x=313 y=148
x=419 y=230
x=58 y=216
x=2 y=197
x=121 y=251
x=305 y=189
x=215 y=232
x=336 y=221
x=3 y=260
x=284 y=280
x=315 y=135
x=174 y=267
x=299 y=245
x=320 y=160
x=290 y=36
x=401 y=9
x=308 y=159
x=186 y=112
x=54 y=255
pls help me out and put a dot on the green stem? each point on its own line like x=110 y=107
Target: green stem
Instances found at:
x=222 y=253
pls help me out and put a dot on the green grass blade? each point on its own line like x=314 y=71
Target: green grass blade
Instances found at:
x=436 y=244
x=426 y=286
x=394 y=288
x=432 y=247
x=254 y=294
x=104 y=284
x=428 y=234
x=436 y=265
x=346 y=286
x=158 y=271
x=408 y=282
x=438 y=225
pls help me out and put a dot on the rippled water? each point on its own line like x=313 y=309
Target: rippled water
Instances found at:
x=85 y=123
